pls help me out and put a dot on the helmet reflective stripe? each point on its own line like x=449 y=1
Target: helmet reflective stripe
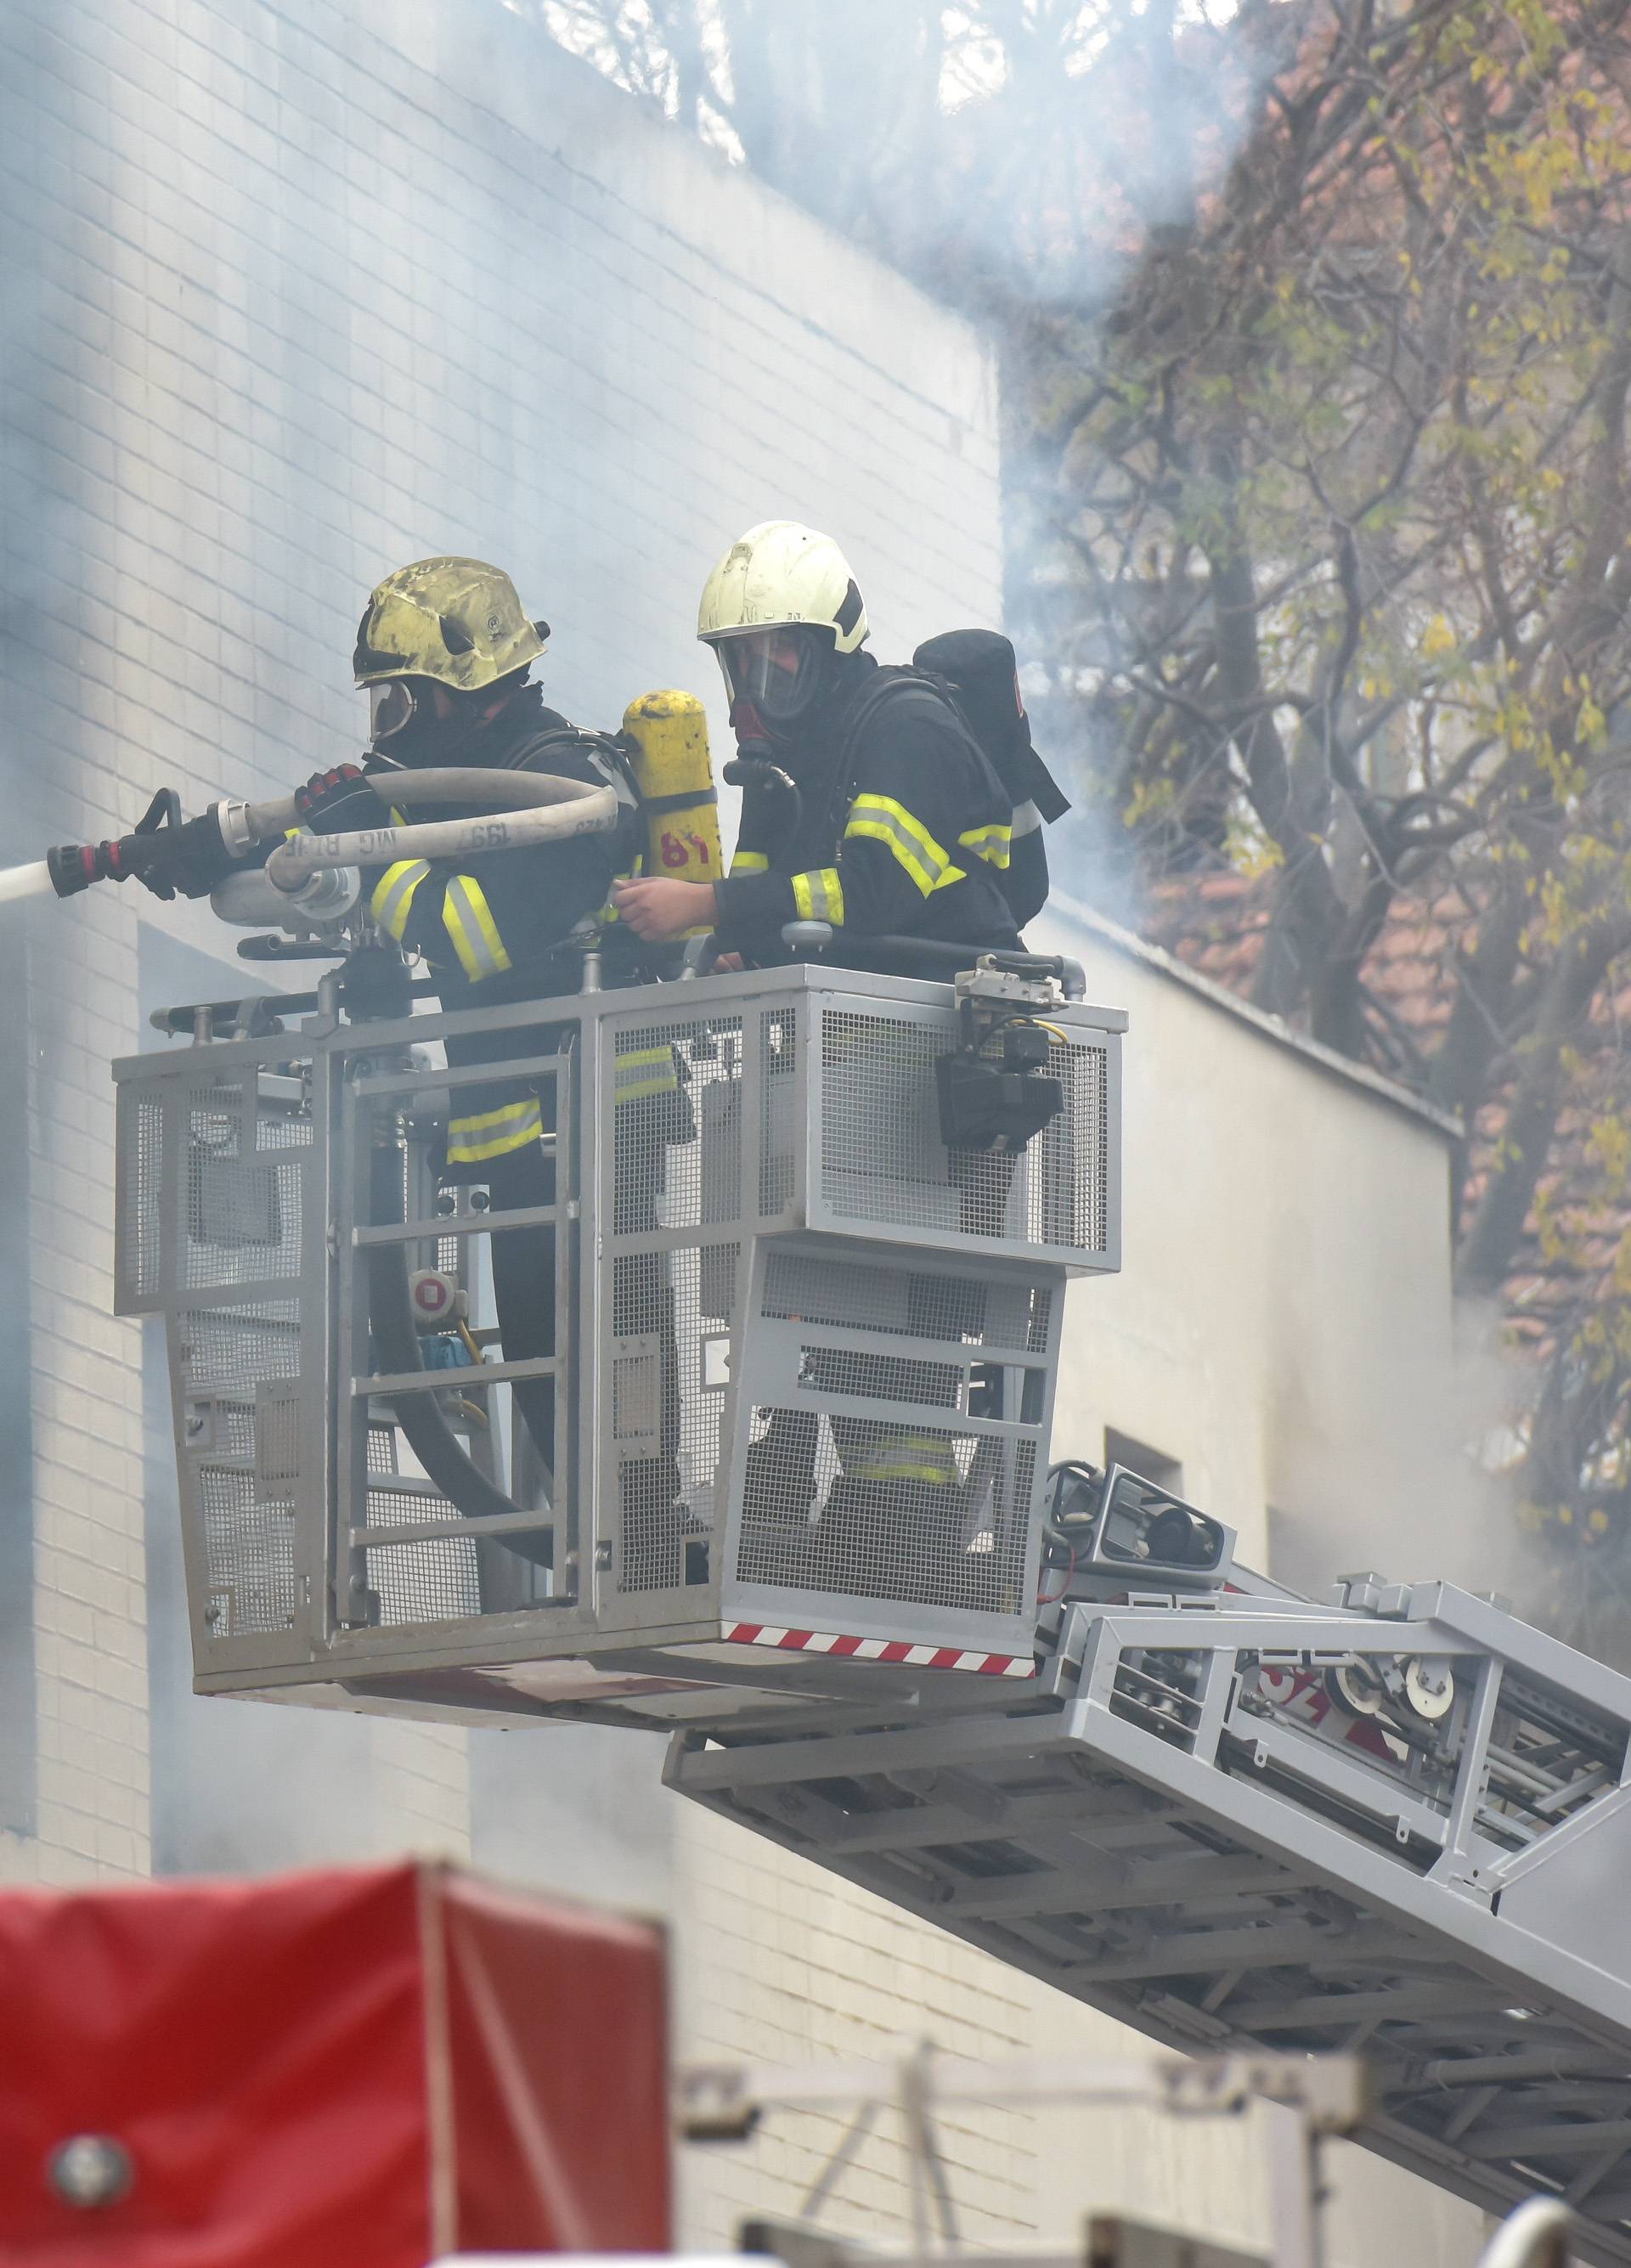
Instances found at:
x=992 y=842
x=393 y=894
x=882 y=820
x=819 y=896
x=494 y=1133
x=468 y=919
x=779 y=573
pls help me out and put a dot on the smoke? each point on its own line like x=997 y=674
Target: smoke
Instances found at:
x=1419 y=1494
x=1018 y=161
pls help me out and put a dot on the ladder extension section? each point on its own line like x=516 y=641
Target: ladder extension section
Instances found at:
x=1399 y=1827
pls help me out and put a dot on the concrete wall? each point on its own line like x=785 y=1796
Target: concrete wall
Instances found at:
x=1282 y=1324
x=293 y=293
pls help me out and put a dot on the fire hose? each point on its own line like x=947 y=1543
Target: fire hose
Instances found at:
x=532 y=808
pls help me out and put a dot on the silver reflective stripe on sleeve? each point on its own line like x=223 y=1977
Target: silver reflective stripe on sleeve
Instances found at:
x=393 y=894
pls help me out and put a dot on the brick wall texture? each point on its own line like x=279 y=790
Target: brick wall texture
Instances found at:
x=295 y=293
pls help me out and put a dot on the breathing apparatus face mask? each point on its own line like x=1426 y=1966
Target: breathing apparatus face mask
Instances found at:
x=392 y=707
x=775 y=675
x=408 y=726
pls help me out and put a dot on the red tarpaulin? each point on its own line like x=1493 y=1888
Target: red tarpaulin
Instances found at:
x=358 y=2069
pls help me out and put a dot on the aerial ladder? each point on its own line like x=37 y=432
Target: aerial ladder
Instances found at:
x=790 y=1501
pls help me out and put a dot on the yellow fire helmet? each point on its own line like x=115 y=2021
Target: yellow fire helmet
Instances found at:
x=779 y=574
x=458 y=621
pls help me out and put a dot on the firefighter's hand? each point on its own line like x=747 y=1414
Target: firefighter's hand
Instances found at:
x=661 y=908
x=189 y=857
x=337 y=801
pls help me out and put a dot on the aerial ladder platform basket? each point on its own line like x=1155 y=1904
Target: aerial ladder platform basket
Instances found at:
x=804 y=1355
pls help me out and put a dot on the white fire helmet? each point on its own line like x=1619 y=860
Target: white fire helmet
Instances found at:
x=779 y=574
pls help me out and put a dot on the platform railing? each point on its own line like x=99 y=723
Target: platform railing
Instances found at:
x=803 y=1354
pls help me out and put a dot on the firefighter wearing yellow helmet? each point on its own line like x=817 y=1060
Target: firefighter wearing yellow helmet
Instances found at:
x=444 y=652
x=900 y=828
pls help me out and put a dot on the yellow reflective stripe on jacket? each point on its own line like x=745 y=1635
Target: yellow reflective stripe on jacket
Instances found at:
x=468 y=919
x=992 y=842
x=884 y=821
x=393 y=894
x=819 y=896
x=493 y=1133
x=749 y=862
x=644 y=1071
x=903 y=1457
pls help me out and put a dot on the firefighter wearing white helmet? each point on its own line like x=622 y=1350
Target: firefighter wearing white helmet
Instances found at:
x=899 y=827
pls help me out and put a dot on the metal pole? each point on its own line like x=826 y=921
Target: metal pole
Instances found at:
x=1295 y=2193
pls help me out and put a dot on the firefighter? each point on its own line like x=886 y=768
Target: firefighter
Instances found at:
x=445 y=653
x=871 y=808
x=493 y=933
x=868 y=807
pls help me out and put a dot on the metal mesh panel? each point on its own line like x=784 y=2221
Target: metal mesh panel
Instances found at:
x=277 y=1128
x=778 y=1128
x=249 y=1555
x=220 y=1428
x=420 y=1582
x=274 y=1430
x=671 y=1081
x=1069 y=1191
x=883 y=1159
x=237 y=1347
x=879 y=1377
x=237 y=1367
x=241 y=1213
x=667 y=1433
x=915 y=1512
x=141 y=1190
x=963 y=1310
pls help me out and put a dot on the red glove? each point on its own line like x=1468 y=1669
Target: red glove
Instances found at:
x=337 y=801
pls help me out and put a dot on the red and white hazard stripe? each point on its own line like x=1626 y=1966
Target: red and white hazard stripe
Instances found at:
x=881 y=1649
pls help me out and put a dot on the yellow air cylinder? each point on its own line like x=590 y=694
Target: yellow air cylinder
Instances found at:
x=670 y=736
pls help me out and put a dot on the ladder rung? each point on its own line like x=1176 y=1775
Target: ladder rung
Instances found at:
x=457 y=1224
x=459 y=1380
x=453 y=1531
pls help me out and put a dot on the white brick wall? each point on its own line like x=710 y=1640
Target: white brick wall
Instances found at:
x=295 y=293
x=780 y=1963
